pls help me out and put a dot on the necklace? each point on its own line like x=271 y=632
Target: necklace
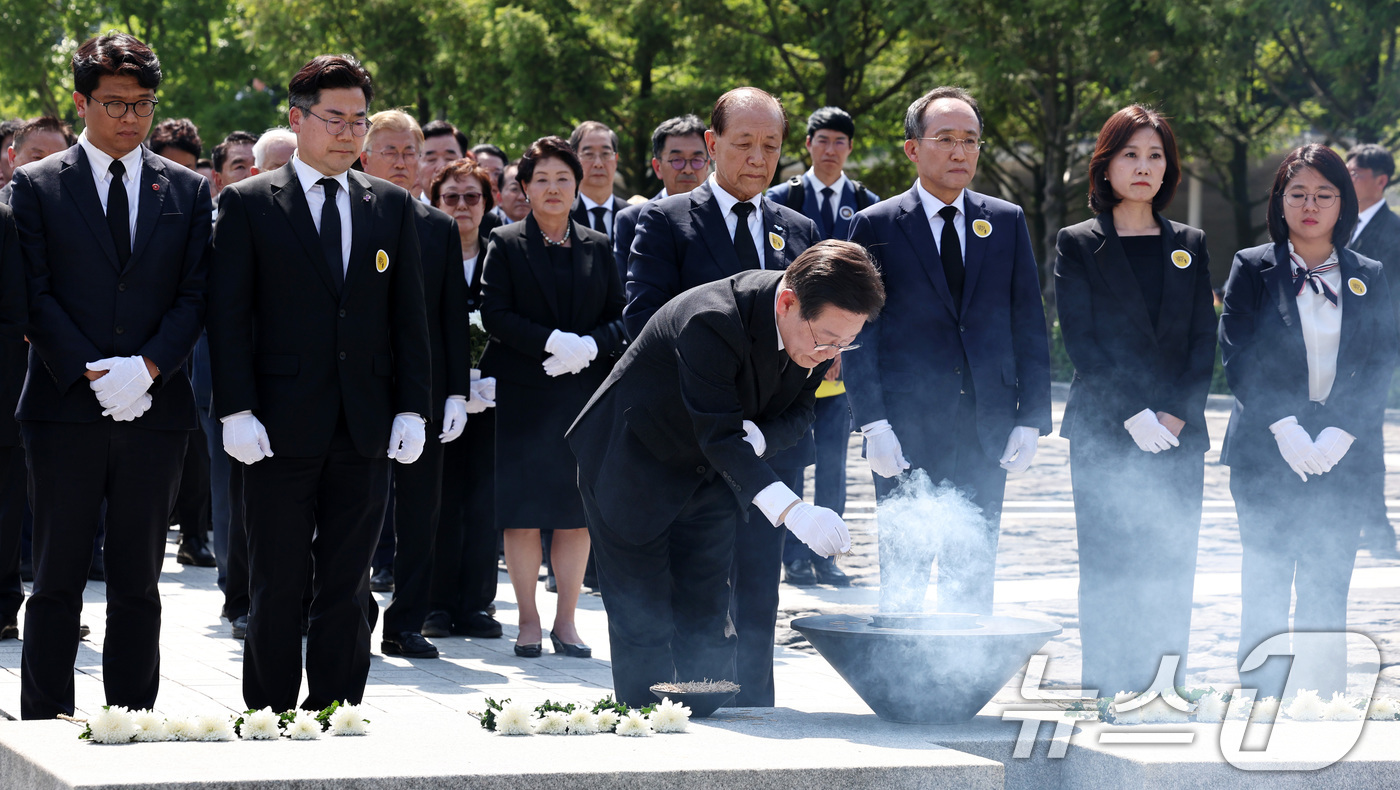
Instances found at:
x=568 y=229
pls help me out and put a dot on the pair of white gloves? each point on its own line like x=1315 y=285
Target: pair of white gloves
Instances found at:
x=455 y=411
x=569 y=353
x=820 y=528
x=1149 y=433
x=123 y=391
x=1308 y=457
x=245 y=438
x=886 y=457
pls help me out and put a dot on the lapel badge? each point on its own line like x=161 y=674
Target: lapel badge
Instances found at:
x=847 y=212
x=155 y=187
x=1357 y=287
x=1181 y=259
x=366 y=197
x=381 y=261
x=982 y=228
x=776 y=242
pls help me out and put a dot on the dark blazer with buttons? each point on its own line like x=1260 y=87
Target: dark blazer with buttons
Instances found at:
x=908 y=368
x=624 y=231
x=670 y=415
x=85 y=306
x=1266 y=362
x=1380 y=241
x=844 y=212
x=14 y=313
x=445 y=294
x=1122 y=364
x=286 y=345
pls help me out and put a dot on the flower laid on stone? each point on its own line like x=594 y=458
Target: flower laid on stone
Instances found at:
x=214 y=727
x=304 y=726
x=150 y=727
x=669 y=716
x=568 y=718
x=583 y=722
x=112 y=724
x=181 y=728
x=261 y=725
x=554 y=722
x=607 y=720
x=1212 y=707
x=1306 y=706
x=1344 y=708
x=348 y=720
x=634 y=724
x=516 y=718
x=1264 y=710
x=1384 y=709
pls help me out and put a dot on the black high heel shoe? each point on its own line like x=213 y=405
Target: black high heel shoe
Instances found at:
x=574 y=651
x=529 y=651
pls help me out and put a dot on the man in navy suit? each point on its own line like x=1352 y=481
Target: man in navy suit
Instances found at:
x=114 y=245
x=678 y=158
x=955 y=378
x=720 y=228
x=596 y=206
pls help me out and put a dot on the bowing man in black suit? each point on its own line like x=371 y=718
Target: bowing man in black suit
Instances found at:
x=678 y=158
x=114 y=251
x=1308 y=336
x=1138 y=318
x=596 y=206
x=720 y=228
x=319 y=344
x=670 y=454
x=14 y=352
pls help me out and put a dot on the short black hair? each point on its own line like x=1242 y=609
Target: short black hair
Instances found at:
x=220 y=153
x=680 y=126
x=114 y=53
x=1374 y=158
x=328 y=72
x=914 y=117
x=46 y=123
x=589 y=127
x=1113 y=137
x=490 y=150
x=178 y=133
x=732 y=100
x=8 y=129
x=441 y=128
x=551 y=147
x=1331 y=167
x=838 y=274
x=833 y=118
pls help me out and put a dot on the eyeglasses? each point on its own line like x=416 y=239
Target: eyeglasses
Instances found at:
x=1300 y=199
x=945 y=143
x=407 y=155
x=598 y=156
x=818 y=348
x=466 y=198
x=117 y=109
x=693 y=164
x=334 y=126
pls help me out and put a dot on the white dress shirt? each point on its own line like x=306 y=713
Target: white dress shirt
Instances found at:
x=933 y=205
x=316 y=198
x=131 y=179
x=1321 y=323
x=775 y=497
x=469 y=266
x=727 y=202
x=1365 y=217
x=837 y=190
x=608 y=211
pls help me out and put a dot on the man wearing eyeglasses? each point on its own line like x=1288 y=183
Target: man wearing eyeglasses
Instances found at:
x=596 y=206
x=318 y=339
x=114 y=243
x=956 y=379
x=678 y=158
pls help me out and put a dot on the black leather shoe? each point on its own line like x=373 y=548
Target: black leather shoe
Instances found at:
x=529 y=651
x=83 y=631
x=550 y=585
x=97 y=571
x=383 y=581
x=409 y=645
x=437 y=624
x=574 y=651
x=240 y=626
x=478 y=624
x=194 y=551
x=798 y=573
x=9 y=629
x=827 y=573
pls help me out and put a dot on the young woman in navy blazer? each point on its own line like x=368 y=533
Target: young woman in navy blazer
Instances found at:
x=1135 y=307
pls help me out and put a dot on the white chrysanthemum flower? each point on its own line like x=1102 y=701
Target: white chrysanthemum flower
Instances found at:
x=1306 y=706
x=181 y=728
x=1211 y=708
x=1384 y=709
x=669 y=717
x=304 y=727
x=634 y=724
x=1343 y=708
x=583 y=722
x=1158 y=711
x=150 y=726
x=213 y=727
x=516 y=718
x=261 y=725
x=1265 y=710
x=113 y=724
x=1119 y=714
x=607 y=720
x=348 y=720
x=553 y=722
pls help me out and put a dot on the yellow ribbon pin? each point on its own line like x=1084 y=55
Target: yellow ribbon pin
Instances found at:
x=1181 y=259
x=381 y=261
x=1357 y=287
x=776 y=242
x=982 y=228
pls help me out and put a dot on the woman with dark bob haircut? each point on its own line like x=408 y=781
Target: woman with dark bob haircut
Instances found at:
x=552 y=304
x=1308 y=336
x=1136 y=311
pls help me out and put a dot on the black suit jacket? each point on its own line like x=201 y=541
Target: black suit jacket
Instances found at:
x=85 y=306
x=624 y=230
x=1266 y=361
x=670 y=415
x=1380 y=241
x=285 y=345
x=14 y=312
x=445 y=293
x=1122 y=364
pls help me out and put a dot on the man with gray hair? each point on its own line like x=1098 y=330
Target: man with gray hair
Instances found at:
x=596 y=206
x=274 y=149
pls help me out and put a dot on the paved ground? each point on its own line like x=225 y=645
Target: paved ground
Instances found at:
x=1036 y=573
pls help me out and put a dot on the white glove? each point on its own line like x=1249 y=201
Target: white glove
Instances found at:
x=882 y=449
x=1297 y=448
x=245 y=438
x=572 y=352
x=1333 y=443
x=131 y=412
x=1020 y=445
x=1151 y=436
x=406 y=438
x=126 y=381
x=483 y=395
x=454 y=418
x=820 y=528
x=754 y=436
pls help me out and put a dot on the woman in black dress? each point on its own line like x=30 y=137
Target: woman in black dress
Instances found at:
x=1136 y=311
x=552 y=303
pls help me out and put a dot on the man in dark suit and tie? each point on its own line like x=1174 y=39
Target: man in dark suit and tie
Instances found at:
x=319 y=342
x=114 y=245
x=678 y=158
x=596 y=206
x=720 y=228
x=956 y=379
x=14 y=352
x=671 y=450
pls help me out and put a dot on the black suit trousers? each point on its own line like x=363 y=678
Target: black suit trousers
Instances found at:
x=14 y=480
x=754 y=578
x=668 y=599
x=236 y=580
x=73 y=468
x=417 y=509
x=329 y=508
x=465 y=573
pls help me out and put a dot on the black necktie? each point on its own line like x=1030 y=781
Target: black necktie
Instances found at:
x=330 y=232
x=951 y=253
x=599 y=220
x=828 y=212
x=743 y=240
x=119 y=212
